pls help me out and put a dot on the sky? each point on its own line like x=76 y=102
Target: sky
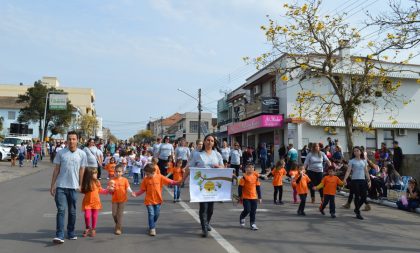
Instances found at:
x=136 y=54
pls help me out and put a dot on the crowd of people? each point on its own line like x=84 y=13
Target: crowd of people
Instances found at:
x=321 y=168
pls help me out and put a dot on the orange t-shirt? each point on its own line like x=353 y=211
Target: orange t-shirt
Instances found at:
x=278 y=176
x=153 y=188
x=110 y=167
x=249 y=185
x=120 y=192
x=330 y=184
x=157 y=170
x=177 y=173
x=91 y=199
x=302 y=186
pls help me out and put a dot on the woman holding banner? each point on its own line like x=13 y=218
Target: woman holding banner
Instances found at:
x=207 y=157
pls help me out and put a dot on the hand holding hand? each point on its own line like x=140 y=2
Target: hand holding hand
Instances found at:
x=260 y=201
x=133 y=194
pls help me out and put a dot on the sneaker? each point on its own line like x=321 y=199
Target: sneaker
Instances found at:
x=333 y=216
x=93 y=233
x=209 y=228
x=152 y=232
x=367 y=208
x=303 y=213
x=275 y=202
x=358 y=216
x=322 y=211
x=242 y=222
x=281 y=203
x=73 y=237
x=204 y=232
x=346 y=206
x=58 y=240
x=86 y=232
x=254 y=227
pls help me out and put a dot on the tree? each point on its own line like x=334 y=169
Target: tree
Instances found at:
x=1 y=124
x=311 y=48
x=34 y=99
x=143 y=136
x=404 y=24
x=88 y=124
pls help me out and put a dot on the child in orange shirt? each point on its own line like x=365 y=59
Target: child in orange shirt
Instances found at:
x=120 y=186
x=110 y=167
x=177 y=174
x=249 y=192
x=152 y=185
x=293 y=173
x=278 y=172
x=91 y=204
x=329 y=183
x=155 y=165
x=301 y=182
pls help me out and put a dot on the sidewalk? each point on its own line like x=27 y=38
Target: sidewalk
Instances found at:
x=8 y=173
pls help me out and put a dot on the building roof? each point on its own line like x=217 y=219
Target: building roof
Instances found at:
x=10 y=103
x=169 y=121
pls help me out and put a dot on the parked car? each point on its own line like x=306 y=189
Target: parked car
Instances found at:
x=10 y=141
x=4 y=152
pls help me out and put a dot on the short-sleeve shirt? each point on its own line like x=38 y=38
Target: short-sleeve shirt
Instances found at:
x=302 y=186
x=278 y=176
x=292 y=155
x=91 y=155
x=165 y=150
x=358 y=169
x=235 y=156
x=316 y=163
x=249 y=185
x=91 y=199
x=120 y=193
x=155 y=149
x=204 y=160
x=225 y=152
x=70 y=164
x=182 y=153
x=330 y=184
x=153 y=188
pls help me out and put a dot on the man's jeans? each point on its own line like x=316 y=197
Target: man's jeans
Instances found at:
x=153 y=215
x=65 y=197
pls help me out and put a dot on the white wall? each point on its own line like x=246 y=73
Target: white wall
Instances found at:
x=6 y=122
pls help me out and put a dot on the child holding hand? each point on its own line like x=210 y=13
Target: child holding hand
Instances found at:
x=249 y=192
x=329 y=183
x=278 y=172
x=301 y=182
x=177 y=174
x=152 y=185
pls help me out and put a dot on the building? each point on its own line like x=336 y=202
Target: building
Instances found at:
x=268 y=115
x=187 y=126
x=160 y=126
x=82 y=99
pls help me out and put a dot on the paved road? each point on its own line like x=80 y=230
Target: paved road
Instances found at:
x=28 y=224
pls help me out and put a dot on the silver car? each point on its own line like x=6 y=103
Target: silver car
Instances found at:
x=4 y=152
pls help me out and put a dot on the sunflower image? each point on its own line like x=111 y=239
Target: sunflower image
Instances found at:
x=209 y=186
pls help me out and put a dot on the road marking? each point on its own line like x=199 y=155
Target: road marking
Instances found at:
x=219 y=239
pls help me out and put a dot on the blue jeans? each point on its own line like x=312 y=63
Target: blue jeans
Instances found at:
x=136 y=178
x=65 y=197
x=35 y=160
x=153 y=215
x=177 y=192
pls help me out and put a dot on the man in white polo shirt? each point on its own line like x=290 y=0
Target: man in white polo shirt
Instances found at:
x=67 y=178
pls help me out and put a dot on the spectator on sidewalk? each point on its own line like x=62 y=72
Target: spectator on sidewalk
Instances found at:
x=411 y=200
x=67 y=178
x=292 y=157
x=263 y=158
x=282 y=152
x=397 y=159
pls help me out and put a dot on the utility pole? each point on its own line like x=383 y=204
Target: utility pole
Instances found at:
x=161 y=127
x=199 y=114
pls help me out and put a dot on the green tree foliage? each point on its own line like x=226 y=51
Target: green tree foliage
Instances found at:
x=88 y=124
x=34 y=100
x=142 y=136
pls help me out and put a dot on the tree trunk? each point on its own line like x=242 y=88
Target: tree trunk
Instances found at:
x=348 y=119
x=40 y=129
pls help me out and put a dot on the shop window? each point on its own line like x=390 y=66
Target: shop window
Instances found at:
x=389 y=138
x=371 y=140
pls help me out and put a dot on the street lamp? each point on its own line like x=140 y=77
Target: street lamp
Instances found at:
x=199 y=108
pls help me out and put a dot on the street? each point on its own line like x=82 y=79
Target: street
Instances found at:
x=28 y=225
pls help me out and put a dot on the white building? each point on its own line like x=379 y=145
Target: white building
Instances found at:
x=187 y=126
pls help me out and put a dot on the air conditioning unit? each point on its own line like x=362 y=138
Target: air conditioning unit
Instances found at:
x=257 y=89
x=402 y=132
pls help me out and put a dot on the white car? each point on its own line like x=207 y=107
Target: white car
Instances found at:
x=4 y=153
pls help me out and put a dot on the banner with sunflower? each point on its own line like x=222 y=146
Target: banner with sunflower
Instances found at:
x=210 y=184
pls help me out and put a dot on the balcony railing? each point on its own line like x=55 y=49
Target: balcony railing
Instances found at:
x=264 y=105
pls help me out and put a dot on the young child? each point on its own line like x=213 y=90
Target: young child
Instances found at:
x=177 y=174
x=301 y=182
x=249 y=192
x=135 y=169
x=155 y=165
x=110 y=167
x=278 y=172
x=293 y=173
x=329 y=183
x=152 y=185
x=120 y=186
x=91 y=204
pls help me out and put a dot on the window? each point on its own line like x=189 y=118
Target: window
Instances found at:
x=194 y=126
x=418 y=138
x=371 y=140
x=11 y=115
x=389 y=138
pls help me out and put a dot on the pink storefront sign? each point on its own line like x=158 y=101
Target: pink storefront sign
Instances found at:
x=263 y=121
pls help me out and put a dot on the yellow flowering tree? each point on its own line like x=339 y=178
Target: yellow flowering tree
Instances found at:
x=314 y=50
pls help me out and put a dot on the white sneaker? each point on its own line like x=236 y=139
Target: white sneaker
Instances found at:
x=58 y=240
x=242 y=222
x=254 y=227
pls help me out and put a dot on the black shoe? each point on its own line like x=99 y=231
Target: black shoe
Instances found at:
x=280 y=203
x=322 y=211
x=275 y=202
x=333 y=216
x=358 y=216
x=303 y=213
x=209 y=228
x=205 y=233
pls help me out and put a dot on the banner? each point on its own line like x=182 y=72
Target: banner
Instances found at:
x=210 y=184
x=58 y=101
